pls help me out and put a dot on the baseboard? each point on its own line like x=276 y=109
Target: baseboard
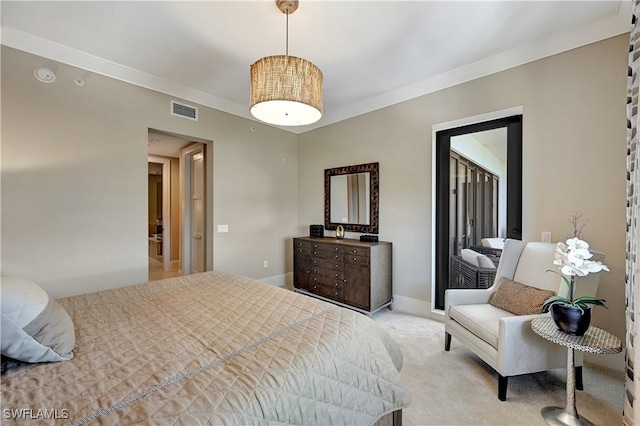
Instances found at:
x=400 y=303
x=612 y=362
x=281 y=280
x=412 y=306
x=174 y=265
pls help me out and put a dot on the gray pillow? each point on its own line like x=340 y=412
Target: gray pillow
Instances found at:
x=35 y=328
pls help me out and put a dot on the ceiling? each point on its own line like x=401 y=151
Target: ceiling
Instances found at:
x=164 y=144
x=372 y=53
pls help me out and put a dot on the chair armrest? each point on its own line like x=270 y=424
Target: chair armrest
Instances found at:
x=457 y=296
x=521 y=350
x=517 y=329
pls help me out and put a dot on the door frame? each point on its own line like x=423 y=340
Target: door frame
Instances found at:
x=185 y=202
x=166 y=209
x=441 y=134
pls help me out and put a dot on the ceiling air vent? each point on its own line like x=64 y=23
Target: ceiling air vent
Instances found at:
x=184 y=111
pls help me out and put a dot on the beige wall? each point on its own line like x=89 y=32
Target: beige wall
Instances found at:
x=74 y=180
x=573 y=159
x=74 y=160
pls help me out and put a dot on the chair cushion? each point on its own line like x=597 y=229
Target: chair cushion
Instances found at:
x=477 y=259
x=493 y=242
x=518 y=298
x=481 y=320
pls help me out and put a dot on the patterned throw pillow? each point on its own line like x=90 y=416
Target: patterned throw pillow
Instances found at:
x=517 y=298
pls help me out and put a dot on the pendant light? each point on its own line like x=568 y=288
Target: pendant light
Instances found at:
x=286 y=90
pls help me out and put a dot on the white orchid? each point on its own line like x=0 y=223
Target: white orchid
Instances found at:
x=574 y=260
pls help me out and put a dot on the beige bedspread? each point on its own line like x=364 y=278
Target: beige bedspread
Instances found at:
x=212 y=348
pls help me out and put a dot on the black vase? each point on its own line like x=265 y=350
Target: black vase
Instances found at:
x=570 y=319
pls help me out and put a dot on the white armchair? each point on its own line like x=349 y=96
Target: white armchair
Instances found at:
x=504 y=340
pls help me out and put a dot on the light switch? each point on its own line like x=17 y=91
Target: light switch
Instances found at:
x=223 y=228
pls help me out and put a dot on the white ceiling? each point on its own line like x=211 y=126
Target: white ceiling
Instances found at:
x=372 y=53
x=165 y=145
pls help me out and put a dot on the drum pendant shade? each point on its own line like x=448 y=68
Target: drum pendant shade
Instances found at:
x=286 y=90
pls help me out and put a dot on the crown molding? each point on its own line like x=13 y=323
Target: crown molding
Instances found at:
x=562 y=42
x=568 y=40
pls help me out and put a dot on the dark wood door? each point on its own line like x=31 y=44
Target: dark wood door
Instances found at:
x=301 y=268
x=357 y=284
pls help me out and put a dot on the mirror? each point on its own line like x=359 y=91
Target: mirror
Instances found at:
x=351 y=198
x=450 y=193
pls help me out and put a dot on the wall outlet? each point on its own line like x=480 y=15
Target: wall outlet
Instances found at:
x=223 y=228
x=266 y=263
x=546 y=237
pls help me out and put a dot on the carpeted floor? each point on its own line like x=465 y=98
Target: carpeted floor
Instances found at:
x=458 y=388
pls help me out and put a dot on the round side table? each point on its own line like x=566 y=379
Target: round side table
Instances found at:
x=595 y=341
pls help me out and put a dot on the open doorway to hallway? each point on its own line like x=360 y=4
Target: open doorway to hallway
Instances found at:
x=170 y=216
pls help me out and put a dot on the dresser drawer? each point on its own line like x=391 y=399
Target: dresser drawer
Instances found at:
x=356 y=251
x=326 y=281
x=357 y=260
x=302 y=251
x=322 y=263
x=330 y=255
x=329 y=273
x=334 y=293
x=327 y=247
x=300 y=244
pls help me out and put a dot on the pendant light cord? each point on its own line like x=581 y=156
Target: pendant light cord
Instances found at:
x=287 y=35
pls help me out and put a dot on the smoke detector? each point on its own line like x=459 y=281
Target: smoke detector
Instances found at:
x=44 y=75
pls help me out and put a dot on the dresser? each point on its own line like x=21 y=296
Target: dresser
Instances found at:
x=350 y=273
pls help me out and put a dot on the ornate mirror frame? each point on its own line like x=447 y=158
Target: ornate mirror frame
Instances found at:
x=373 y=170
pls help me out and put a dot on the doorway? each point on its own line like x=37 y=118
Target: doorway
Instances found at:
x=189 y=164
x=159 y=213
x=466 y=194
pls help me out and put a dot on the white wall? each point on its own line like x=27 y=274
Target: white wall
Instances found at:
x=574 y=157
x=74 y=181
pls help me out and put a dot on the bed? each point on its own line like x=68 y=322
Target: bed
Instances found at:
x=210 y=348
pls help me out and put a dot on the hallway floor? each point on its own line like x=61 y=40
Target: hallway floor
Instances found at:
x=156 y=273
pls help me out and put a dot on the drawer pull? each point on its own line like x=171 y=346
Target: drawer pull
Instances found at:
x=315 y=253
x=336 y=249
x=315 y=279
x=336 y=294
x=355 y=251
x=315 y=262
x=337 y=275
x=337 y=266
x=355 y=258
x=307 y=272
x=300 y=244
x=315 y=246
x=315 y=287
x=300 y=251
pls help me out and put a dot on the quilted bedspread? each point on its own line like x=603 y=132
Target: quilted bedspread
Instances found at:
x=211 y=348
